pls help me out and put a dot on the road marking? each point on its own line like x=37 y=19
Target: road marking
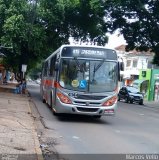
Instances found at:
x=117 y=131
x=75 y=137
x=141 y=114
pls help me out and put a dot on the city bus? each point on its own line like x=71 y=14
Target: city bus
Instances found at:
x=78 y=79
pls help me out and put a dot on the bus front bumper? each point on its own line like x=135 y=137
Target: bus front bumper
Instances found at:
x=86 y=110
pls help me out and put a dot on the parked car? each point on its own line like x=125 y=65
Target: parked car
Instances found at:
x=38 y=81
x=130 y=94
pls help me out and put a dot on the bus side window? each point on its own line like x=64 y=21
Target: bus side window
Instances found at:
x=48 y=68
x=45 y=68
x=42 y=73
x=52 y=65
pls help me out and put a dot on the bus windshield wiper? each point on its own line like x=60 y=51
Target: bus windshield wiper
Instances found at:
x=98 y=66
x=77 y=62
x=80 y=66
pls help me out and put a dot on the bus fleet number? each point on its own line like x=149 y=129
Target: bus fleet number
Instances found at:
x=73 y=94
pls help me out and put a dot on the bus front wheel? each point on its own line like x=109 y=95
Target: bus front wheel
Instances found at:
x=97 y=116
x=44 y=101
x=55 y=113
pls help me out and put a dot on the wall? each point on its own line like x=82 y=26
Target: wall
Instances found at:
x=154 y=78
x=146 y=77
x=152 y=75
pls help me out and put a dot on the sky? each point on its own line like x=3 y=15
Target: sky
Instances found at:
x=115 y=40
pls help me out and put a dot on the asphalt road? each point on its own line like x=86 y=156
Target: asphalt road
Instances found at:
x=134 y=129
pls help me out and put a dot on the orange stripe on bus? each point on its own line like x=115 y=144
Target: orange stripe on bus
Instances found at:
x=47 y=82
x=51 y=83
x=57 y=85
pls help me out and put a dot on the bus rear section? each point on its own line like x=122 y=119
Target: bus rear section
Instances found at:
x=85 y=81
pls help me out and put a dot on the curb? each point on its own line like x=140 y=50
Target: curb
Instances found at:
x=36 y=142
x=34 y=133
x=151 y=104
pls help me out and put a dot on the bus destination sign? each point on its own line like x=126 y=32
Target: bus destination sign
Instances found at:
x=88 y=52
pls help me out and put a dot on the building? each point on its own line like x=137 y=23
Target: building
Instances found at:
x=140 y=72
x=134 y=61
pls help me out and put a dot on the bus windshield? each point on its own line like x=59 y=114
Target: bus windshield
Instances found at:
x=88 y=75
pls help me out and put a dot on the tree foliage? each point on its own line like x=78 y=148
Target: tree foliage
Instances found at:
x=34 y=28
x=138 y=21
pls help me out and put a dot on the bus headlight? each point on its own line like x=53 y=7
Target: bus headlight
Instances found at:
x=63 y=98
x=110 y=101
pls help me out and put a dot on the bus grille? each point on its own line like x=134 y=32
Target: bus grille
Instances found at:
x=85 y=103
x=89 y=97
x=87 y=109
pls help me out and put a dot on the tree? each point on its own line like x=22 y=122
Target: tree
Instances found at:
x=20 y=32
x=34 y=28
x=138 y=21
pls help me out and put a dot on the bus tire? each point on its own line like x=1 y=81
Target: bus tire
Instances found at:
x=55 y=113
x=44 y=101
x=97 y=116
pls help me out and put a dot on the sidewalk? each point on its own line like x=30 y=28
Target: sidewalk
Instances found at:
x=151 y=104
x=18 y=137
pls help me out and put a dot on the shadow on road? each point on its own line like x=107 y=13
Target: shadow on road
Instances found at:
x=82 y=118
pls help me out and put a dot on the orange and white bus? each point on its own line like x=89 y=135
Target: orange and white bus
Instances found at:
x=81 y=80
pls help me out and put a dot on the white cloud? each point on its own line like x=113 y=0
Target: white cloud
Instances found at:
x=115 y=40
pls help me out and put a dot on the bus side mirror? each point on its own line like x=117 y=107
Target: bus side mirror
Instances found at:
x=56 y=66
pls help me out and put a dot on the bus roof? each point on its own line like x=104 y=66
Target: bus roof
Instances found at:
x=89 y=46
x=70 y=45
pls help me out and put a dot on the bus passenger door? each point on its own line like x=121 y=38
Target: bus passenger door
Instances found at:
x=54 y=79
